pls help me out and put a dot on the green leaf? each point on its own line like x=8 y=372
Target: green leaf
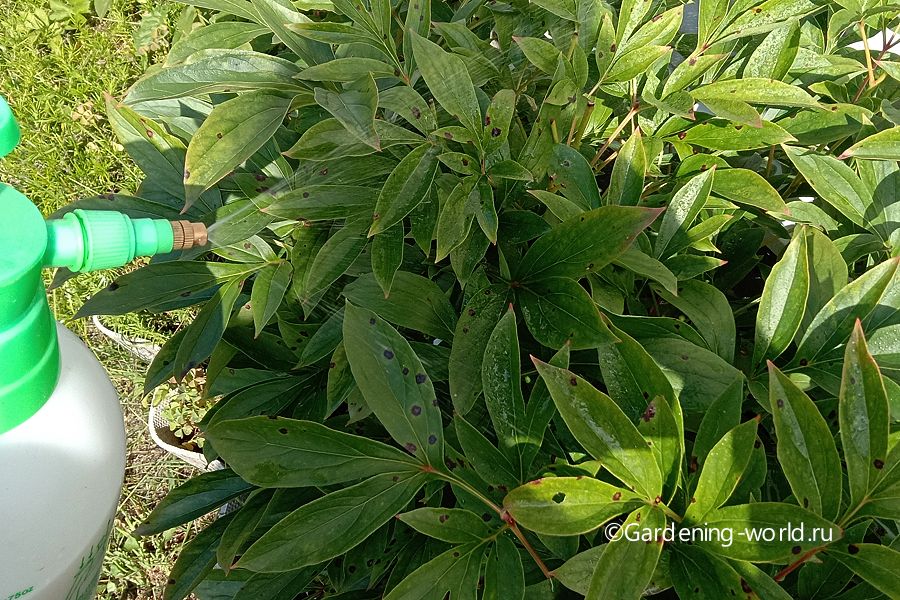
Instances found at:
x=700 y=575
x=626 y=566
x=568 y=505
x=558 y=311
x=355 y=109
x=756 y=90
x=203 y=334
x=573 y=174
x=226 y=35
x=723 y=415
x=566 y=9
x=454 y=573
x=751 y=519
x=661 y=29
x=783 y=301
x=406 y=187
x=504 y=577
x=268 y=291
x=774 y=55
x=501 y=378
x=487 y=461
x=585 y=243
x=746 y=187
x=688 y=71
x=540 y=53
x=456 y=217
x=415 y=302
x=331 y=261
x=346 y=70
x=540 y=410
x=684 y=207
x=290 y=453
x=576 y=572
x=394 y=384
x=662 y=427
x=646 y=266
x=448 y=80
x=806 y=449
x=722 y=135
x=453 y=525
x=603 y=429
x=868 y=298
x=196 y=559
x=722 y=471
x=275 y=16
x=884 y=145
x=708 y=309
x=160 y=282
x=387 y=256
x=697 y=375
x=627 y=180
x=277 y=585
x=231 y=134
x=634 y=63
x=328 y=140
x=242 y=526
x=193 y=499
x=510 y=169
x=835 y=182
x=864 y=417
x=333 y=524
x=233 y=70
x=822 y=127
x=878 y=565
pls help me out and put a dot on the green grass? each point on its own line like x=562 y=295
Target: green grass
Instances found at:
x=54 y=75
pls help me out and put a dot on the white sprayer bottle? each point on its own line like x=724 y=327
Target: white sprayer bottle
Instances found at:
x=62 y=438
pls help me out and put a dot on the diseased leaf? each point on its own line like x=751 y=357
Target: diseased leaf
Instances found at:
x=394 y=384
x=453 y=525
x=290 y=453
x=863 y=415
x=568 y=505
x=806 y=447
x=603 y=429
x=231 y=134
x=783 y=301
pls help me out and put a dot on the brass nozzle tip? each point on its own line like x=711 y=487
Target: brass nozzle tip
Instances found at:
x=188 y=235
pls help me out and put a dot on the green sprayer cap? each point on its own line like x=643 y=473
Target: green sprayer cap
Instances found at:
x=81 y=240
x=9 y=129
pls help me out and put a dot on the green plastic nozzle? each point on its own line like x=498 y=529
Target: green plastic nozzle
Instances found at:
x=81 y=240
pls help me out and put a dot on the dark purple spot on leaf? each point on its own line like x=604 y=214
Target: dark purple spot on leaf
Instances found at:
x=416 y=410
x=420 y=377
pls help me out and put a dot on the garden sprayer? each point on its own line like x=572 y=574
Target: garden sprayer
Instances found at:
x=62 y=439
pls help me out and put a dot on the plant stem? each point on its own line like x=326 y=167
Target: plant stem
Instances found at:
x=585 y=119
x=796 y=564
x=619 y=128
x=504 y=516
x=669 y=512
x=531 y=551
x=865 y=41
x=770 y=161
x=554 y=131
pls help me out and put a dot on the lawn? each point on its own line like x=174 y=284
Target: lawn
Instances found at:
x=54 y=70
